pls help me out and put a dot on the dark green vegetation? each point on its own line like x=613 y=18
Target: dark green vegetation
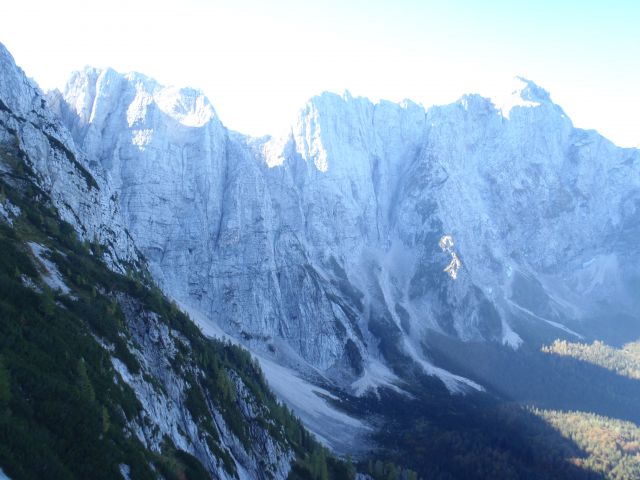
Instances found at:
x=532 y=377
x=61 y=414
x=321 y=465
x=497 y=434
x=441 y=436
x=380 y=470
x=64 y=412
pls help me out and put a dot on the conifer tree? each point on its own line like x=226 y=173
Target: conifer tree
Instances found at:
x=84 y=383
x=5 y=385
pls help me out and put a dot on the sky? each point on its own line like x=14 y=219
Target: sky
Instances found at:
x=260 y=61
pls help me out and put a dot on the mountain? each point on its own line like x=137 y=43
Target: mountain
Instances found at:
x=394 y=271
x=321 y=249
x=82 y=198
x=101 y=376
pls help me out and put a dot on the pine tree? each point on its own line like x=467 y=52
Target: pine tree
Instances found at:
x=84 y=383
x=319 y=469
x=5 y=385
x=48 y=302
x=324 y=471
x=392 y=473
x=351 y=470
x=378 y=469
x=106 y=420
x=411 y=475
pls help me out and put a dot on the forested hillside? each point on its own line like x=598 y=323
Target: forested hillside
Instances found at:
x=101 y=376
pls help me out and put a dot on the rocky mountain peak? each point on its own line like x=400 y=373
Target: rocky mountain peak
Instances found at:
x=320 y=249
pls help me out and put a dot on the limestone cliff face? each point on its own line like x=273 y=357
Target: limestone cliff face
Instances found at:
x=29 y=131
x=39 y=158
x=320 y=248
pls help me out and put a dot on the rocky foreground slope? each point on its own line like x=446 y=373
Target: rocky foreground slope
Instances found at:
x=101 y=376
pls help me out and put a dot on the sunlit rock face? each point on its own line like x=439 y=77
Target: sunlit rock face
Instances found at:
x=82 y=195
x=38 y=157
x=321 y=248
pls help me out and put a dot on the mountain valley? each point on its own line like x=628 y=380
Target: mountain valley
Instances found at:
x=405 y=292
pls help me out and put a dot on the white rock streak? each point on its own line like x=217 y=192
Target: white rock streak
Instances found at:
x=446 y=245
x=49 y=271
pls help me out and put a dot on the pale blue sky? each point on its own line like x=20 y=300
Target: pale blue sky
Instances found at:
x=260 y=61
